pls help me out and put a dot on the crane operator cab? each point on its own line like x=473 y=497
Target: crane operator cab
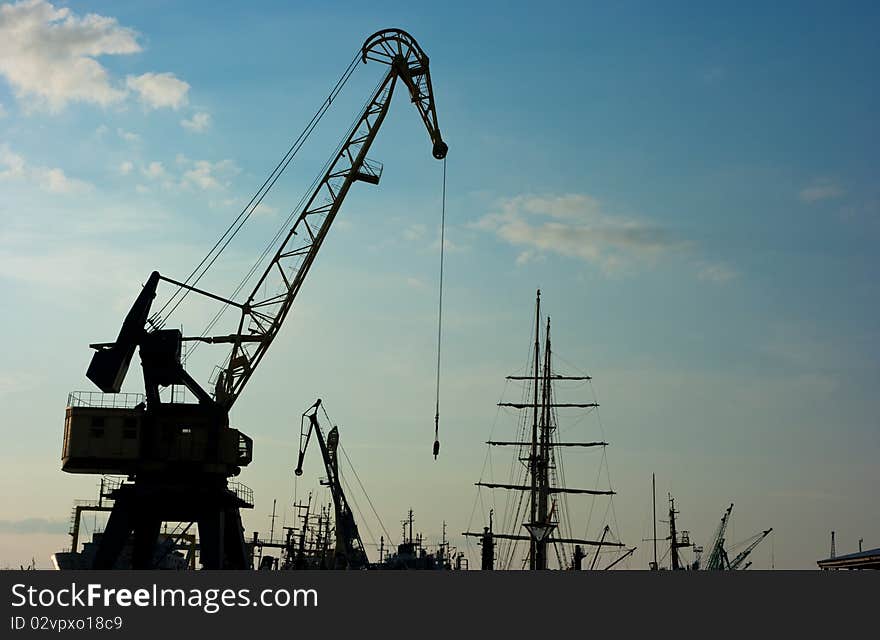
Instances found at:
x=129 y=433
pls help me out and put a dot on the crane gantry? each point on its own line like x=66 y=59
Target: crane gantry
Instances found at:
x=179 y=456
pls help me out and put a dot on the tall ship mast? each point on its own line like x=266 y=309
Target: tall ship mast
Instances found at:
x=537 y=509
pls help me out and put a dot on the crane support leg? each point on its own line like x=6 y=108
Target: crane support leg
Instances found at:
x=146 y=533
x=211 y=539
x=116 y=533
x=141 y=507
x=233 y=538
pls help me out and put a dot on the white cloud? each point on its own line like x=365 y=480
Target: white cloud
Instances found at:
x=154 y=170
x=575 y=225
x=198 y=123
x=265 y=210
x=2 y=111
x=128 y=136
x=47 y=54
x=56 y=181
x=822 y=189
x=157 y=90
x=14 y=167
x=208 y=176
x=718 y=273
x=184 y=173
x=570 y=206
x=528 y=256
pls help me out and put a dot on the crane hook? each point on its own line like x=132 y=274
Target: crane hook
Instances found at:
x=436 y=436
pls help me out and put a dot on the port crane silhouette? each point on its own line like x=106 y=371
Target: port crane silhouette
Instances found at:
x=179 y=456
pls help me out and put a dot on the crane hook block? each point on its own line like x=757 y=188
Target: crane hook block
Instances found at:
x=397 y=48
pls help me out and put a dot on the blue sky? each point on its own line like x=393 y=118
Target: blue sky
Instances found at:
x=694 y=189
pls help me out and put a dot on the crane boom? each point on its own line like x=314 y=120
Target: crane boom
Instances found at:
x=263 y=314
x=740 y=558
x=718 y=556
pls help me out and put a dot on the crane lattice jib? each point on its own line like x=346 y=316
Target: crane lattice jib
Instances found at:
x=750 y=546
x=272 y=296
x=716 y=559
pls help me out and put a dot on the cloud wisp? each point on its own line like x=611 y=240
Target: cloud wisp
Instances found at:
x=823 y=189
x=15 y=167
x=128 y=136
x=199 y=122
x=575 y=225
x=718 y=273
x=209 y=176
x=185 y=174
x=33 y=525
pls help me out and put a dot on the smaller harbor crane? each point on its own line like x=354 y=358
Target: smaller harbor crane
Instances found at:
x=719 y=557
x=739 y=562
x=349 y=551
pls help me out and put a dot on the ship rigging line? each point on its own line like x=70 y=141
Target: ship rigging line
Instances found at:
x=238 y=222
x=440 y=312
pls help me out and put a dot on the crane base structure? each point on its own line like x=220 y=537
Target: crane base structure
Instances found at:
x=178 y=456
x=141 y=507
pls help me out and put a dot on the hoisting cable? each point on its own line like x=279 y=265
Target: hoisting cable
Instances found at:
x=257 y=198
x=440 y=312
